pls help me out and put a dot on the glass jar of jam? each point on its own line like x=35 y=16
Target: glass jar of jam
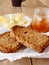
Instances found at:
x=41 y=19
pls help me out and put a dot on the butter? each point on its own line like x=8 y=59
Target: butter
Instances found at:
x=12 y=20
x=3 y=20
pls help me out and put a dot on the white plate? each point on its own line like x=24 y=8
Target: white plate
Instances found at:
x=26 y=52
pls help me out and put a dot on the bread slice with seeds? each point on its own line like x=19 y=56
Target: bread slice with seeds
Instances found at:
x=30 y=38
x=8 y=44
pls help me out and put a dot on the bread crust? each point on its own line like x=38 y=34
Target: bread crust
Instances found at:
x=12 y=32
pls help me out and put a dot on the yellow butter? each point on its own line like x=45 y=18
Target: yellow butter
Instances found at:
x=3 y=20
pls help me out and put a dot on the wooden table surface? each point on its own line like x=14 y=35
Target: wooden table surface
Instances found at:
x=6 y=8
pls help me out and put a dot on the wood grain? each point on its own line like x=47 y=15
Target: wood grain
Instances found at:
x=7 y=8
x=32 y=3
x=28 y=11
x=23 y=61
x=39 y=61
x=45 y=2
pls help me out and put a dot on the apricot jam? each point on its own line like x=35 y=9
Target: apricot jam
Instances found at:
x=41 y=20
x=42 y=26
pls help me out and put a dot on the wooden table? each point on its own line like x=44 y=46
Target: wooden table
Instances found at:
x=6 y=8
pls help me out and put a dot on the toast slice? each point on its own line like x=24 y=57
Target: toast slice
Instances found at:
x=8 y=44
x=30 y=38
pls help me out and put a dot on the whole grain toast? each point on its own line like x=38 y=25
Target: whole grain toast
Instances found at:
x=8 y=44
x=30 y=38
